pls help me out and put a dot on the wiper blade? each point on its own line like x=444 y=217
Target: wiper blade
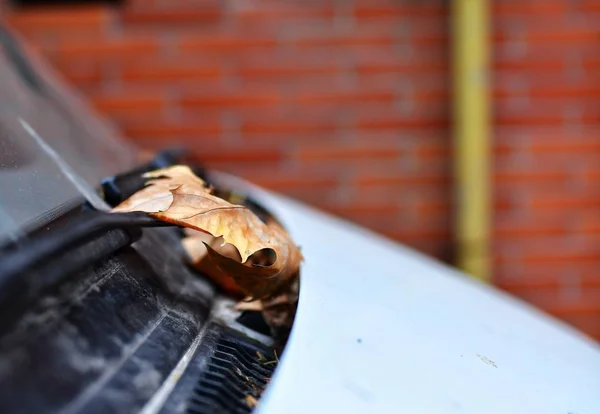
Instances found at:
x=28 y=254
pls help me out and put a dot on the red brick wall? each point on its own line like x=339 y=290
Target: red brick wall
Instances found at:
x=547 y=156
x=345 y=104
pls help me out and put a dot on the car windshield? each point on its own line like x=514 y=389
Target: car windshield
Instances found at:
x=53 y=151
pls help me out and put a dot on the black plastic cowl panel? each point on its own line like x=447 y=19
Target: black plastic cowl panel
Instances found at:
x=106 y=338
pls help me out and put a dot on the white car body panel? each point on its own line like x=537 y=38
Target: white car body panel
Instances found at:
x=382 y=329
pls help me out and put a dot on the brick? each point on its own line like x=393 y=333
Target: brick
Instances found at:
x=225 y=43
x=419 y=87
x=520 y=138
x=549 y=84
x=529 y=8
x=551 y=201
x=237 y=155
x=280 y=139
x=369 y=180
x=591 y=63
x=126 y=119
x=429 y=87
x=565 y=91
x=289 y=85
x=82 y=77
x=429 y=207
x=393 y=65
x=231 y=99
x=516 y=49
x=66 y=19
x=521 y=26
x=410 y=55
x=122 y=103
x=283 y=181
x=504 y=205
x=331 y=152
x=511 y=229
x=284 y=11
x=171 y=71
x=276 y=70
x=591 y=176
x=106 y=49
x=546 y=113
x=330 y=41
x=288 y=124
x=430 y=39
x=567 y=35
x=411 y=197
x=433 y=151
x=517 y=191
x=530 y=176
x=416 y=31
x=590 y=5
x=588 y=222
x=590 y=113
x=399 y=121
x=171 y=16
x=551 y=63
x=342 y=53
x=342 y=97
x=164 y=131
x=232 y=167
x=427 y=151
x=501 y=148
x=432 y=97
x=588 y=256
x=370 y=11
x=565 y=145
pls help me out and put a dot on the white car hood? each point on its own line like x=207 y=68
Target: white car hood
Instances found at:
x=381 y=328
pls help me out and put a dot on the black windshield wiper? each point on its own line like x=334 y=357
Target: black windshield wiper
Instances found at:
x=17 y=260
x=84 y=226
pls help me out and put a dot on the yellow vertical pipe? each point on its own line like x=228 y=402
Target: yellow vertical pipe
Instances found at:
x=470 y=34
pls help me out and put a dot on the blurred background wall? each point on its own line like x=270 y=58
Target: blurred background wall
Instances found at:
x=346 y=104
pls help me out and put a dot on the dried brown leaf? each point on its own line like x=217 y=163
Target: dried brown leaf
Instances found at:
x=251 y=401
x=255 y=306
x=194 y=245
x=177 y=196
